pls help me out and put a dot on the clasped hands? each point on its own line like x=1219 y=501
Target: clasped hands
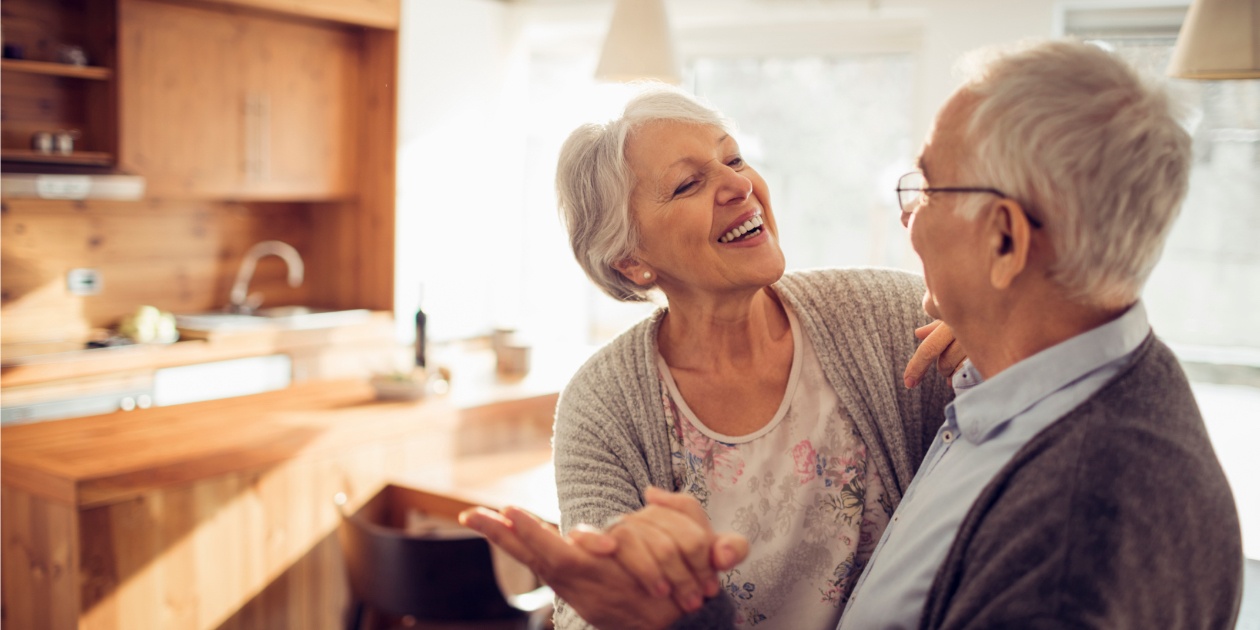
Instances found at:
x=642 y=572
x=650 y=567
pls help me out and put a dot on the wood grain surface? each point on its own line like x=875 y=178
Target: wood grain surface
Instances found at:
x=41 y=95
x=219 y=104
x=110 y=458
x=178 y=256
x=218 y=515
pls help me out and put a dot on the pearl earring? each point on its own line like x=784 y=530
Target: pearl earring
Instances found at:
x=647 y=275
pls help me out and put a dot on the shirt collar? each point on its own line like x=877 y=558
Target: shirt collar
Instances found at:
x=982 y=408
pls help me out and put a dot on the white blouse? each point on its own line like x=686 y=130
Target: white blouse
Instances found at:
x=798 y=488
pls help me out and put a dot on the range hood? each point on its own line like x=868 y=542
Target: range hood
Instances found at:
x=53 y=186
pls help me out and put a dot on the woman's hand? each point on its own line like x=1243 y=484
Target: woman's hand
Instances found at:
x=669 y=547
x=594 y=585
x=938 y=347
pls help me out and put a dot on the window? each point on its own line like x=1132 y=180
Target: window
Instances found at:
x=1206 y=289
x=830 y=135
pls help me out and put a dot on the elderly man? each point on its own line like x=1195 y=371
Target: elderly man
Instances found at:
x=1072 y=484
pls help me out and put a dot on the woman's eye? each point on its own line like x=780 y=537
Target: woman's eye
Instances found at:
x=684 y=188
x=736 y=163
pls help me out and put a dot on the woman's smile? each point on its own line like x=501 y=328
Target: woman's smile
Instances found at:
x=743 y=230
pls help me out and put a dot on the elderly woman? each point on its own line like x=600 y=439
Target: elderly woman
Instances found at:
x=775 y=400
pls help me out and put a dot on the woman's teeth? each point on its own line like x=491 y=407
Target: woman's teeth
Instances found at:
x=751 y=226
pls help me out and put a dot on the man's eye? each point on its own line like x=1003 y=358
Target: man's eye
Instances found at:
x=684 y=188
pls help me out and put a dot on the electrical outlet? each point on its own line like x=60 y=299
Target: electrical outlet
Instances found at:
x=84 y=282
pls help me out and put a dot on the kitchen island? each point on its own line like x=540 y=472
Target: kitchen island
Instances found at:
x=219 y=514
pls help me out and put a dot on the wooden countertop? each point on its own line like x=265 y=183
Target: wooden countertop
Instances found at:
x=99 y=460
x=24 y=364
x=102 y=459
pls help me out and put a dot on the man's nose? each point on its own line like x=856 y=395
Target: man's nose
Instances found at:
x=905 y=219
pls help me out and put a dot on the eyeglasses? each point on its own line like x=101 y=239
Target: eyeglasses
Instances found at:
x=912 y=188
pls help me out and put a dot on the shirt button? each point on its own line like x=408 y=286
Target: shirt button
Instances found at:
x=947 y=437
x=895 y=517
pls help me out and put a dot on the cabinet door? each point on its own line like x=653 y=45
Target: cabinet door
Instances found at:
x=181 y=84
x=298 y=140
x=222 y=105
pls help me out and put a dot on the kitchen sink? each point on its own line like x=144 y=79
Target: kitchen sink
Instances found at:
x=282 y=317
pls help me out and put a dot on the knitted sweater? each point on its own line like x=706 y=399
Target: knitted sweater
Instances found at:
x=1116 y=516
x=611 y=436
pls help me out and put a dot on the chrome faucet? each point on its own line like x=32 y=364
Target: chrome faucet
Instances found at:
x=241 y=301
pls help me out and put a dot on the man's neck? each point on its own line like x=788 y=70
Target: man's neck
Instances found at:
x=1028 y=327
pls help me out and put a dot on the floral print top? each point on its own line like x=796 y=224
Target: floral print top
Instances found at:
x=799 y=489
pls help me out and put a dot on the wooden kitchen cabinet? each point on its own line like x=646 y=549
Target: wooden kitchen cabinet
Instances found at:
x=43 y=95
x=374 y=13
x=227 y=104
x=219 y=515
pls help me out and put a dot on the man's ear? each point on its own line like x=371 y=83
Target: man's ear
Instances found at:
x=634 y=271
x=1011 y=240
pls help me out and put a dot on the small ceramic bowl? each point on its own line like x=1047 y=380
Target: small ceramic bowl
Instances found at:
x=399 y=386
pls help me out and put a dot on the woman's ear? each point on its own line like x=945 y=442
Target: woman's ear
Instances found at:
x=635 y=271
x=1012 y=234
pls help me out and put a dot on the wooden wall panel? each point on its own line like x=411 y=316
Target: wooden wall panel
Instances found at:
x=360 y=233
x=378 y=169
x=40 y=589
x=177 y=256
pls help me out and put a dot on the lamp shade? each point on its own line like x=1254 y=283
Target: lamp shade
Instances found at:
x=1219 y=40
x=639 y=44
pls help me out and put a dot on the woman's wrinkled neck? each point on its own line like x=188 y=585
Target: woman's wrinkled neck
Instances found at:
x=705 y=331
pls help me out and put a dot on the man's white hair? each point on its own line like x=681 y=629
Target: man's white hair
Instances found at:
x=594 y=182
x=1090 y=148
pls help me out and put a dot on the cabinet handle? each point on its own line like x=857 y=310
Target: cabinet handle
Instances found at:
x=257 y=136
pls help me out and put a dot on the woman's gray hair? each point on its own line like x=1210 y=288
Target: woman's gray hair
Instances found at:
x=594 y=182
x=1091 y=148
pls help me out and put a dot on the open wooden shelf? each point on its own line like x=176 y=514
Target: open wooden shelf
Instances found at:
x=78 y=158
x=57 y=69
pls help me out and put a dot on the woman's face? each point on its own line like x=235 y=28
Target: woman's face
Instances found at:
x=692 y=194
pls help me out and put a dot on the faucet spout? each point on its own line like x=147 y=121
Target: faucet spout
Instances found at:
x=239 y=299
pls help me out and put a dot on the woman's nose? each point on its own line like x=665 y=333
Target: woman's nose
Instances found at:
x=733 y=187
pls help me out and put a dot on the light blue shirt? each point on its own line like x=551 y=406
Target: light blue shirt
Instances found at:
x=988 y=422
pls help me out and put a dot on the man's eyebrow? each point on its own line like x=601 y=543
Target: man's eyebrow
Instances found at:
x=921 y=165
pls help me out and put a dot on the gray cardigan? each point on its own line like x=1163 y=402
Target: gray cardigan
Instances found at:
x=1116 y=516
x=611 y=439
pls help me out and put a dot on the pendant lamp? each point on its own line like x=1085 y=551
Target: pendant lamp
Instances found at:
x=639 y=44
x=1219 y=40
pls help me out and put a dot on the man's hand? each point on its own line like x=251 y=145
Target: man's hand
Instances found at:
x=608 y=577
x=597 y=587
x=938 y=347
x=669 y=547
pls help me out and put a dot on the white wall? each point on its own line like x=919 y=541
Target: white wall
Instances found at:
x=458 y=154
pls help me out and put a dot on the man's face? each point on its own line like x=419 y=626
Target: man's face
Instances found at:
x=954 y=250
